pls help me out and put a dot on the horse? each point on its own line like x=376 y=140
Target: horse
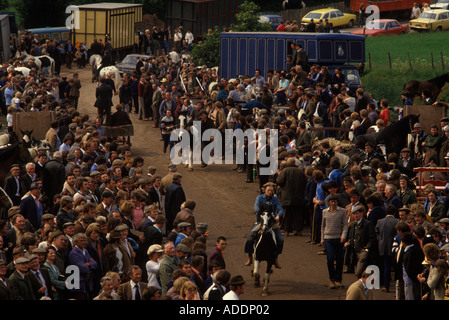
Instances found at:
x=11 y=154
x=182 y=125
x=393 y=136
x=264 y=249
x=95 y=63
x=8 y=139
x=434 y=86
x=115 y=74
x=27 y=138
x=23 y=71
x=5 y=204
x=41 y=62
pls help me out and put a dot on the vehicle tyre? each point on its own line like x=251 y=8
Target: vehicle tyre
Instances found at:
x=351 y=24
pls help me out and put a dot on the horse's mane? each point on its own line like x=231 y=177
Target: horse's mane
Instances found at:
x=440 y=80
x=397 y=128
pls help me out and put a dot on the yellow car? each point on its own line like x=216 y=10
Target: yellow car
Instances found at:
x=335 y=16
x=431 y=20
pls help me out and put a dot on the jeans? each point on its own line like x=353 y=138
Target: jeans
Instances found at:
x=335 y=252
x=386 y=267
x=167 y=142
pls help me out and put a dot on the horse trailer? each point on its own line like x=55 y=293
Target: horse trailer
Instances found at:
x=241 y=53
x=113 y=21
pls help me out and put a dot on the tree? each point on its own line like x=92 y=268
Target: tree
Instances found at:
x=248 y=19
x=40 y=13
x=207 y=51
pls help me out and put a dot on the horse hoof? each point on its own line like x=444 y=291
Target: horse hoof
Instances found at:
x=257 y=280
x=265 y=293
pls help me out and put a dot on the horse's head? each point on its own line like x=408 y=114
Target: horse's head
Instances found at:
x=414 y=118
x=267 y=221
x=26 y=136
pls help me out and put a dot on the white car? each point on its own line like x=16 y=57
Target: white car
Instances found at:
x=440 y=4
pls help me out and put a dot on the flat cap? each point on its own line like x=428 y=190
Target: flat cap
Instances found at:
x=181 y=247
x=21 y=260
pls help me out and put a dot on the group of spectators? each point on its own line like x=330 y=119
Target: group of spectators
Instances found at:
x=86 y=201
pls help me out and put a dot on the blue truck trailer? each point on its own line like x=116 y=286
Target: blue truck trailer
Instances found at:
x=241 y=53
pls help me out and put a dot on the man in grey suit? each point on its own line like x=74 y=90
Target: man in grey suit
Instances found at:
x=385 y=232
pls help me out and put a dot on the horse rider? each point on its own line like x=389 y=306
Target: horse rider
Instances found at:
x=266 y=202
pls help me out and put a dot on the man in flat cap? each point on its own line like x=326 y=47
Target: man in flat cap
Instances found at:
x=13 y=236
x=22 y=285
x=185 y=229
x=39 y=278
x=361 y=240
x=418 y=137
x=6 y=286
x=32 y=207
x=13 y=184
x=408 y=162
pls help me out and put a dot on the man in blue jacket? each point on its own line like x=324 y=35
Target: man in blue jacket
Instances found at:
x=266 y=202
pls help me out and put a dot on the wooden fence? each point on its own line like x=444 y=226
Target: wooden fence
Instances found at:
x=39 y=122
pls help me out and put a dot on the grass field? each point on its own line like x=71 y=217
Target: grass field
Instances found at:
x=385 y=82
x=419 y=46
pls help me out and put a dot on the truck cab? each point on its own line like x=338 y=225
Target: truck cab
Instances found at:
x=352 y=76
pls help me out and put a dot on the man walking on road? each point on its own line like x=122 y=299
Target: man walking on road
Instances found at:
x=334 y=229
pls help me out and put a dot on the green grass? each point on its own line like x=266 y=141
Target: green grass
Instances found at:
x=419 y=46
x=385 y=82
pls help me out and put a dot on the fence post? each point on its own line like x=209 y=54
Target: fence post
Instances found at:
x=369 y=60
x=442 y=60
x=389 y=59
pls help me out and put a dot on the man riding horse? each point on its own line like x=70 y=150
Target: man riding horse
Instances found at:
x=270 y=203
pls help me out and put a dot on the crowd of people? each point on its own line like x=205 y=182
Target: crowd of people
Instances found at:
x=87 y=201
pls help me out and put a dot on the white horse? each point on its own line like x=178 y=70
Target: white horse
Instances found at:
x=182 y=125
x=23 y=70
x=115 y=75
x=95 y=63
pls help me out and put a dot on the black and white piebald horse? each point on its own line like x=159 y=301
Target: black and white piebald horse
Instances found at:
x=264 y=249
x=42 y=62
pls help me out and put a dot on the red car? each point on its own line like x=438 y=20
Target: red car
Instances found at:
x=382 y=27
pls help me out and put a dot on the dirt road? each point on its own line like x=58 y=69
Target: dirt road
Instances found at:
x=225 y=201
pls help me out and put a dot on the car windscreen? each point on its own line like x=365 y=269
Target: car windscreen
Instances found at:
x=427 y=15
x=130 y=60
x=375 y=25
x=313 y=15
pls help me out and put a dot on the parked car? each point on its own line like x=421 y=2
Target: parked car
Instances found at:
x=335 y=16
x=273 y=19
x=382 y=27
x=431 y=20
x=440 y=4
x=128 y=64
